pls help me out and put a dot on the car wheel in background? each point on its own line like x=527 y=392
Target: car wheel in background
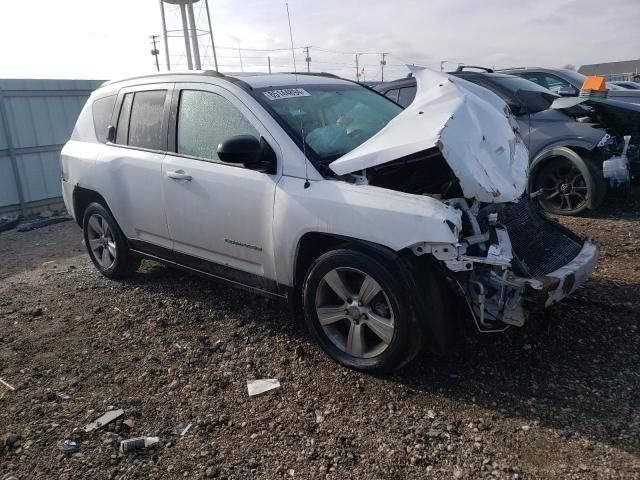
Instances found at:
x=569 y=184
x=106 y=244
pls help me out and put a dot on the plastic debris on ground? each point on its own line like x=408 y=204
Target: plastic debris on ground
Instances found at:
x=68 y=447
x=104 y=420
x=133 y=444
x=256 y=387
x=182 y=428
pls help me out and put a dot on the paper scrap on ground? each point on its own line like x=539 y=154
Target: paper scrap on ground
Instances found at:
x=256 y=387
x=104 y=420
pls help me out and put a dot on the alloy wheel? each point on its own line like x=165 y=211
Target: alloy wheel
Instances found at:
x=564 y=188
x=354 y=312
x=101 y=241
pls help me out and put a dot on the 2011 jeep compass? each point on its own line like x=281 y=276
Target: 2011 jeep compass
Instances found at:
x=321 y=191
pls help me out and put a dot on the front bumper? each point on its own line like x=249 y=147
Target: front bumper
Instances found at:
x=549 y=289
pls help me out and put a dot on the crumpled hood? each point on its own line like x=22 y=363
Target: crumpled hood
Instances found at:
x=471 y=126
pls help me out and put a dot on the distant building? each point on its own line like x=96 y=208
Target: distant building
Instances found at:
x=627 y=70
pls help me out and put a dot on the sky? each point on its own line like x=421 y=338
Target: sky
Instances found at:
x=106 y=40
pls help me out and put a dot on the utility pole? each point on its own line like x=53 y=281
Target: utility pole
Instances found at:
x=358 y=66
x=383 y=62
x=308 y=59
x=240 y=55
x=154 y=51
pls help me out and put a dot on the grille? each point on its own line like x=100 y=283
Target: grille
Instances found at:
x=539 y=245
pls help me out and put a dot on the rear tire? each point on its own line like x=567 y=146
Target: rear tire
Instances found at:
x=106 y=244
x=360 y=312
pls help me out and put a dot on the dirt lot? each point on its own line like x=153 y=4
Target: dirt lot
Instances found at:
x=556 y=400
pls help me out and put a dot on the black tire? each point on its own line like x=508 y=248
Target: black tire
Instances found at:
x=123 y=263
x=600 y=183
x=568 y=182
x=407 y=337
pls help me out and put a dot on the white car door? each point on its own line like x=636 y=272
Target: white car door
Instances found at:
x=219 y=214
x=129 y=170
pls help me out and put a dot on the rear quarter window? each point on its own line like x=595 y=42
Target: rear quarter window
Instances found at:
x=102 y=109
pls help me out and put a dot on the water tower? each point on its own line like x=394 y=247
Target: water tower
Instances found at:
x=187 y=33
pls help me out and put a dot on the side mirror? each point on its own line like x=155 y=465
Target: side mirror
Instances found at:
x=567 y=91
x=248 y=151
x=111 y=134
x=245 y=149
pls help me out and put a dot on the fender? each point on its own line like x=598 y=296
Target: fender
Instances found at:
x=565 y=142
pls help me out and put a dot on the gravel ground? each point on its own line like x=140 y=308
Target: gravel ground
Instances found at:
x=559 y=398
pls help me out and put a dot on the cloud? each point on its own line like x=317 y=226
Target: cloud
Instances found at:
x=84 y=42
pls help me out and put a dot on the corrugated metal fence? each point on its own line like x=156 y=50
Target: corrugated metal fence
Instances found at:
x=36 y=119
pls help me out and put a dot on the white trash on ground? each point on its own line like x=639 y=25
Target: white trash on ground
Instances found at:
x=256 y=387
x=104 y=420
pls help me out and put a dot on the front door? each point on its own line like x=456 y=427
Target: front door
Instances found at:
x=219 y=215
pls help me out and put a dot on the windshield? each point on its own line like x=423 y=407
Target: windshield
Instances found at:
x=333 y=119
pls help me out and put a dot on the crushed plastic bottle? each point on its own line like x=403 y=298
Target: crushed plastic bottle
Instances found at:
x=137 y=443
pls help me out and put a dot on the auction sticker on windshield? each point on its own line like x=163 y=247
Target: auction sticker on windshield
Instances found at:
x=286 y=93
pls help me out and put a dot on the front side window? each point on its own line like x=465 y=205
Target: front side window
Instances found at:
x=392 y=94
x=205 y=120
x=407 y=94
x=332 y=119
x=555 y=83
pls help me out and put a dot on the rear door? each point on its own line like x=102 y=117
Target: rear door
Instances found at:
x=219 y=215
x=130 y=169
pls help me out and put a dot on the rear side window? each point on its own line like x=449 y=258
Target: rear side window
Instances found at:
x=102 y=109
x=205 y=120
x=140 y=120
x=406 y=96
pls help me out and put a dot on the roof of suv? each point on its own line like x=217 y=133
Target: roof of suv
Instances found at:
x=248 y=80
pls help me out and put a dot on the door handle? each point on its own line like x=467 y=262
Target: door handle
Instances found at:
x=179 y=175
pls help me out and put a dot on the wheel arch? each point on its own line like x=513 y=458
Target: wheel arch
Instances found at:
x=412 y=271
x=82 y=198
x=573 y=150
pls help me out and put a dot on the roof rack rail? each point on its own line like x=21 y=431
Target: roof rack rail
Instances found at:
x=462 y=68
x=316 y=74
x=510 y=68
x=209 y=73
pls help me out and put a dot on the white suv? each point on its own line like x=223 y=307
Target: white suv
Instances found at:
x=318 y=190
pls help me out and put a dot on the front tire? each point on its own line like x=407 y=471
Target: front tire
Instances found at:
x=570 y=184
x=359 y=312
x=106 y=244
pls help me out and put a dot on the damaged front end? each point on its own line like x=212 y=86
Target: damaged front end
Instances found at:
x=458 y=143
x=512 y=260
